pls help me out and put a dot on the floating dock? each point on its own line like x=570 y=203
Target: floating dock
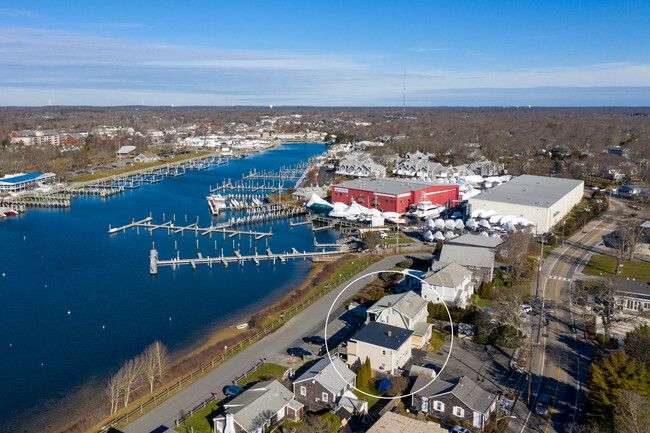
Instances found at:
x=154 y=263
x=224 y=229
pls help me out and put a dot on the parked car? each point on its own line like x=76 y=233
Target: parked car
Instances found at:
x=298 y=351
x=459 y=429
x=232 y=391
x=527 y=309
x=543 y=404
x=315 y=339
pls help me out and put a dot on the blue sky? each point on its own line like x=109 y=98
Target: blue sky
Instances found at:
x=324 y=53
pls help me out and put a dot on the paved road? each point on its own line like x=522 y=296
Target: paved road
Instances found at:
x=272 y=347
x=561 y=360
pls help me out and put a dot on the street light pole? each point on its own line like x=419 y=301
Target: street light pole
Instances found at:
x=539 y=269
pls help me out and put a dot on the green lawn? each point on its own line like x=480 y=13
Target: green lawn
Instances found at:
x=374 y=403
x=548 y=248
x=437 y=340
x=607 y=266
x=201 y=421
x=267 y=371
x=487 y=303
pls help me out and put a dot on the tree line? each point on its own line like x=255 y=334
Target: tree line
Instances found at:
x=146 y=369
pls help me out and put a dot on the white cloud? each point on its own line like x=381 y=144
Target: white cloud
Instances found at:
x=77 y=68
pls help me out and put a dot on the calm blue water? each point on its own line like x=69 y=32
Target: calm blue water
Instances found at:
x=60 y=261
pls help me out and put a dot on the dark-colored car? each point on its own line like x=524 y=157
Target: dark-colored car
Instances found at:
x=543 y=404
x=298 y=351
x=315 y=339
x=232 y=391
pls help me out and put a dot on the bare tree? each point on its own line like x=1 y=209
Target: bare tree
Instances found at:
x=606 y=294
x=154 y=363
x=511 y=317
x=113 y=390
x=625 y=240
x=131 y=374
x=632 y=413
x=514 y=253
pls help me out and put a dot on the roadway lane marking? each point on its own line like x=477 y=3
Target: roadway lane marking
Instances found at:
x=539 y=384
x=550 y=413
x=553 y=277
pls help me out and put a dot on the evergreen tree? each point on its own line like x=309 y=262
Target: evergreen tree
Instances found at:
x=609 y=378
x=637 y=344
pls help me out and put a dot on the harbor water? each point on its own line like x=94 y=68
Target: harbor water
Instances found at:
x=77 y=302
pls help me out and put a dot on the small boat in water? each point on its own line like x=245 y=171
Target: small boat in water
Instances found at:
x=242 y=326
x=7 y=211
x=217 y=203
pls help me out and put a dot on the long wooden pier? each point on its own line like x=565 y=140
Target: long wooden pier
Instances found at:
x=154 y=263
x=224 y=229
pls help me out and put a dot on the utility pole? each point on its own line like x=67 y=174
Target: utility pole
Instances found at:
x=539 y=269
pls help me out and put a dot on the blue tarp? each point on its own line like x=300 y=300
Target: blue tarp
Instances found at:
x=384 y=385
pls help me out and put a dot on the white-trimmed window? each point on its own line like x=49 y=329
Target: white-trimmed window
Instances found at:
x=459 y=411
x=439 y=406
x=303 y=391
x=325 y=397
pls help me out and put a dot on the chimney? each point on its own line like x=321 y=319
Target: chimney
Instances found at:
x=390 y=334
x=460 y=381
x=390 y=304
x=230 y=424
x=320 y=372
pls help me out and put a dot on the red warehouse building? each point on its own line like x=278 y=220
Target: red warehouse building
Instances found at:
x=392 y=195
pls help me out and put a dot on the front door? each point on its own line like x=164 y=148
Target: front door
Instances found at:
x=477 y=420
x=425 y=405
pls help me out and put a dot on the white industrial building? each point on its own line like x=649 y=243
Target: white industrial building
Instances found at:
x=543 y=201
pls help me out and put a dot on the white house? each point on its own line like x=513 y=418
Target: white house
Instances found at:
x=452 y=284
x=388 y=347
x=406 y=310
x=146 y=157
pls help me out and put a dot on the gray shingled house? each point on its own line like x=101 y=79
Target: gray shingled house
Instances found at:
x=258 y=407
x=460 y=399
x=323 y=384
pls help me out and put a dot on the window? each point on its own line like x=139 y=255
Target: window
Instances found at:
x=424 y=405
x=439 y=406
x=383 y=352
x=458 y=411
x=303 y=390
x=325 y=397
x=280 y=414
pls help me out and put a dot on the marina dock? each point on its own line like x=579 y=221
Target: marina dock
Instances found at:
x=154 y=263
x=224 y=229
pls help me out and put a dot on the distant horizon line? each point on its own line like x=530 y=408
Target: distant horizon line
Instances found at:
x=390 y=107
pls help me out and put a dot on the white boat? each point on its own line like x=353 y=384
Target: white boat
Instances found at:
x=242 y=326
x=430 y=224
x=439 y=236
x=428 y=236
x=450 y=224
x=426 y=209
x=216 y=202
x=7 y=211
x=459 y=225
x=393 y=217
x=440 y=223
x=494 y=219
x=449 y=235
x=484 y=224
x=471 y=224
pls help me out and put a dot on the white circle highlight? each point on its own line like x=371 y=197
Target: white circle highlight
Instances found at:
x=451 y=323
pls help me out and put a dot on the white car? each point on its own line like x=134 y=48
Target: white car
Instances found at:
x=459 y=429
x=526 y=309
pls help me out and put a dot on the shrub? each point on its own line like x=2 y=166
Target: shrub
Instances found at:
x=405 y=264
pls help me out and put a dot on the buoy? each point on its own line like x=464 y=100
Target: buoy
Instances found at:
x=103 y=327
x=170 y=319
x=68 y=312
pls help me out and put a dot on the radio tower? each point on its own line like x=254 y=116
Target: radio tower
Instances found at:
x=404 y=98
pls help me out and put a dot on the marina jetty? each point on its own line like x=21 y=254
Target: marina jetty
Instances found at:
x=154 y=262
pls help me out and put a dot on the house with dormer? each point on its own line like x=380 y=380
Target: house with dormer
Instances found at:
x=454 y=401
x=447 y=282
x=406 y=310
x=265 y=404
x=324 y=384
